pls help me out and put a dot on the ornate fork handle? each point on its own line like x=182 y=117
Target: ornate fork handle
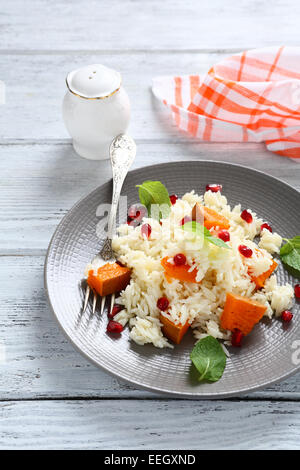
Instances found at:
x=122 y=153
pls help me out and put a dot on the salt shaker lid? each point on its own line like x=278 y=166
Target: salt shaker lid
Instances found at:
x=94 y=81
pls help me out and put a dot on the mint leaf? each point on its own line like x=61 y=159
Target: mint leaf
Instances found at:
x=292 y=259
x=217 y=241
x=290 y=244
x=290 y=255
x=145 y=196
x=154 y=195
x=201 y=231
x=198 y=229
x=285 y=249
x=209 y=359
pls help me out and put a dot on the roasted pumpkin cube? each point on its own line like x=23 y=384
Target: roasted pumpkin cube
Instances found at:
x=208 y=217
x=260 y=280
x=174 y=332
x=110 y=278
x=181 y=273
x=241 y=313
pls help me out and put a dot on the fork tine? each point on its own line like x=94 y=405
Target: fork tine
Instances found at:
x=87 y=294
x=102 y=304
x=94 y=302
x=112 y=301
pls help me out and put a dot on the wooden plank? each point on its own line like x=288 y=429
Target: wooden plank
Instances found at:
x=33 y=107
x=36 y=359
x=39 y=183
x=35 y=86
x=41 y=363
x=134 y=424
x=128 y=24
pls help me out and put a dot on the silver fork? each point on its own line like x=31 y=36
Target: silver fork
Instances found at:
x=122 y=152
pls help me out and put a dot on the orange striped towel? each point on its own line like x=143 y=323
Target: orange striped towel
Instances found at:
x=253 y=96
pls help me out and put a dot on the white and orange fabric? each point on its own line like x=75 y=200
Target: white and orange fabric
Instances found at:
x=253 y=96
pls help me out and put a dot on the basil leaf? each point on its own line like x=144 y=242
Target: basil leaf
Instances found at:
x=209 y=359
x=201 y=231
x=290 y=255
x=154 y=195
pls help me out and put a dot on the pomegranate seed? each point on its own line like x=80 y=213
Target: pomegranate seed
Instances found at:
x=185 y=220
x=116 y=309
x=224 y=235
x=266 y=226
x=214 y=187
x=297 y=291
x=162 y=304
x=237 y=337
x=137 y=212
x=132 y=222
x=245 y=251
x=246 y=216
x=146 y=230
x=286 y=316
x=114 y=327
x=132 y=212
x=173 y=199
x=179 y=259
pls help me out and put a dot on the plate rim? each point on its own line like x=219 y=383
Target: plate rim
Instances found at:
x=153 y=389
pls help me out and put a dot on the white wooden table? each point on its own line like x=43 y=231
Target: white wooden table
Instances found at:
x=50 y=397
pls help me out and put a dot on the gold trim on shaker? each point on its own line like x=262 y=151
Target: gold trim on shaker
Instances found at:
x=96 y=97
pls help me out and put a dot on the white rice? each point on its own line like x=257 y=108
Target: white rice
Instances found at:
x=270 y=241
x=219 y=270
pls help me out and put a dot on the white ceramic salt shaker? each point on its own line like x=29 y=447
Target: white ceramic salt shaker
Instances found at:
x=96 y=108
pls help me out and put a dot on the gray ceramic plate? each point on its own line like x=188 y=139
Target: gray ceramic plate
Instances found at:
x=266 y=355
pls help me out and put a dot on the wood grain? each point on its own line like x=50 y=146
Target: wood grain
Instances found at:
x=33 y=110
x=39 y=183
x=129 y=24
x=51 y=397
x=136 y=424
x=40 y=361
